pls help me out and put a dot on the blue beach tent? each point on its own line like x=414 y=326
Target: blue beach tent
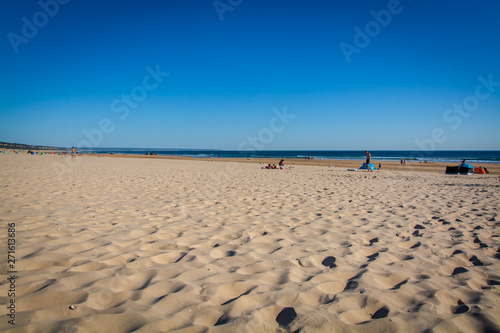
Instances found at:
x=466 y=165
x=364 y=167
x=465 y=169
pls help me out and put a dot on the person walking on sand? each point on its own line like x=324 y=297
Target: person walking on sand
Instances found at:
x=73 y=151
x=368 y=157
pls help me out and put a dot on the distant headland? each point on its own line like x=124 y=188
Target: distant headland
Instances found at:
x=8 y=145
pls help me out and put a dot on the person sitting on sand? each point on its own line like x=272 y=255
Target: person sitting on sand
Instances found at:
x=282 y=163
x=484 y=169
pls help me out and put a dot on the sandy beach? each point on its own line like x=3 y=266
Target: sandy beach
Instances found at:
x=107 y=244
x=438 y=167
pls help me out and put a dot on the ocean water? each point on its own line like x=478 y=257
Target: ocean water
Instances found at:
x=450 y=156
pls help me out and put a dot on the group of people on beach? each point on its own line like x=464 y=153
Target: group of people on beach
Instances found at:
x=280 y=166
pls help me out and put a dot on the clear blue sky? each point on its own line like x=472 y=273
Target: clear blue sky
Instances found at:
x=232 y=64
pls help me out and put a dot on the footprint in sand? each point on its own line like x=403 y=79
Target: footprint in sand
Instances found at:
x=478 y=241
x=286 y=316
x=416 y=245
x=392 y=281
x=372 y=257
x=497 y=254
x=351 y=285
x=449 y=303
x=493 y=283
x=227 y=293
x=459 y=270
x=408 y=244
x=460 y=308
x=329 y=262
x=168 y=258
x=224 y=319
x=333 y=287
x=381 y=313
x=475 y=261
x=365 y=315
x=226 y=250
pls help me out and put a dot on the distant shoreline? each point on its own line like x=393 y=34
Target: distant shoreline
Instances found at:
x=445 y=156
x=389 y=158
x=437 y=167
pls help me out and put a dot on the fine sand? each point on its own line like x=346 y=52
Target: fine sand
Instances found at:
x=155 y=245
